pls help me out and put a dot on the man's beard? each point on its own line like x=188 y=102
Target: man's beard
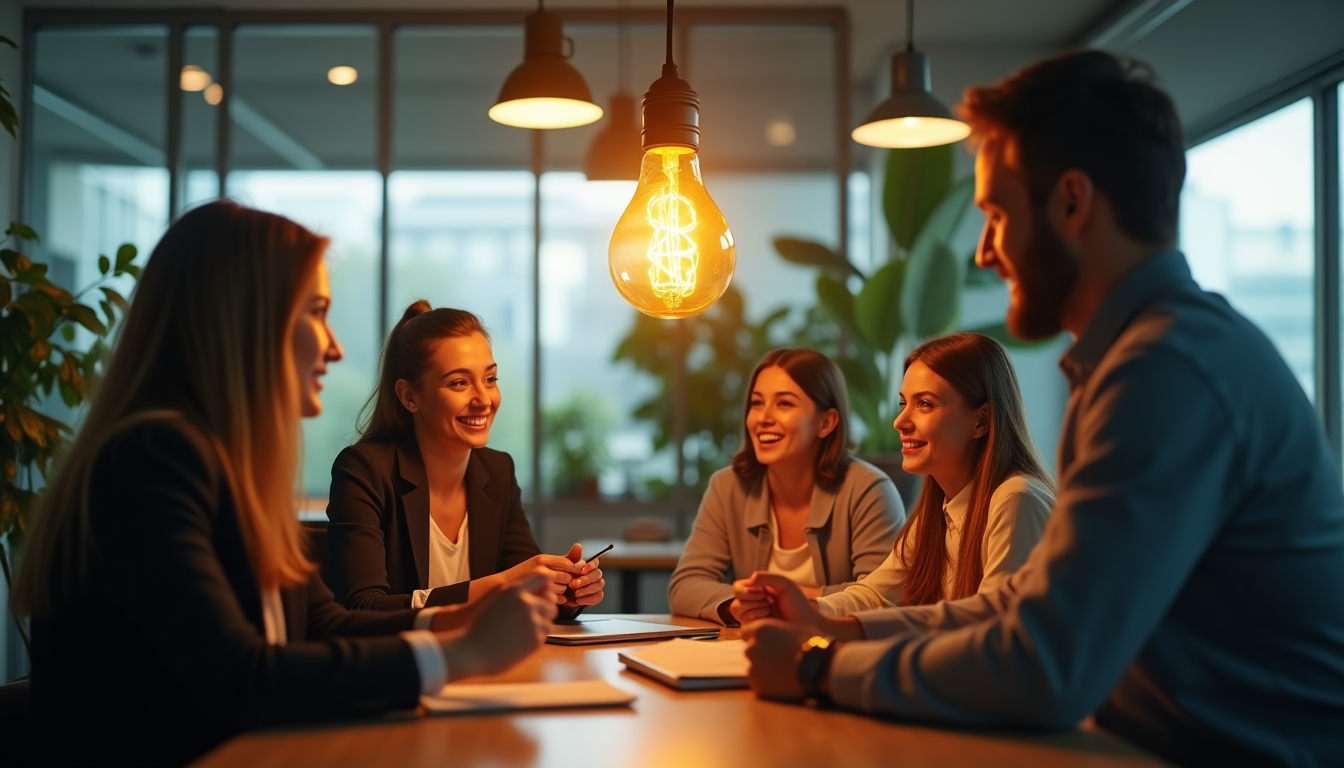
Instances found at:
x=1045 y=277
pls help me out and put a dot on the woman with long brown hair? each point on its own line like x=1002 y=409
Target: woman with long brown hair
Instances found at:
x=171 y=599
x=422 y=513
x=985 y=496
x=794 y=503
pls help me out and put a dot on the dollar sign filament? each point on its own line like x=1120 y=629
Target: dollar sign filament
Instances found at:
x=672 y=254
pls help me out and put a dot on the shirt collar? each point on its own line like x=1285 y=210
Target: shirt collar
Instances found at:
x=1121 y=305
x=955 y=508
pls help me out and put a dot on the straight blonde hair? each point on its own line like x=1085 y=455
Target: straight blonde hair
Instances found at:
x=208 y=339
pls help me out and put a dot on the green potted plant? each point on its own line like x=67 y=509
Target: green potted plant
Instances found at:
x=576 y=445
x=42 y=358
x=720 y=347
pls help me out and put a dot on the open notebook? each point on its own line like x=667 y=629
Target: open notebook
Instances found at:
x=459 y=698
x=591 y=630
x=691 y=665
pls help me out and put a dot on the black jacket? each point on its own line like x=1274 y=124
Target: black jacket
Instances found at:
x=161 y=654
x=378 y=534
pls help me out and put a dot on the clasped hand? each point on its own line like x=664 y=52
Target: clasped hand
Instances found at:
x=777 y=617
x=568 y=572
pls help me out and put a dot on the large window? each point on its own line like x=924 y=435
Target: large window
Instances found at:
x=97 y=170
x=424 y=197
x=1248 y=229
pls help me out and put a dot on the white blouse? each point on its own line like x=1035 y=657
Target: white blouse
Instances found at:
x=1018 y=511
x=448 y=562
x=793 y=564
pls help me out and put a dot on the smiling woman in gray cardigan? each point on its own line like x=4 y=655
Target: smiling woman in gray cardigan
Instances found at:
x=794 y=501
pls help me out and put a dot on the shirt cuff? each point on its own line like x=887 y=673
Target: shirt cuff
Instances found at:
x=429 y=661
x=418 y=598
x=426 y=617
x=855 y=674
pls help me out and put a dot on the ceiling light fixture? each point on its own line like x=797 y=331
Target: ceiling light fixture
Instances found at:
x=615 y=153
x=342 y=75
x=545 y=91
x=194 y=78
x=672 y=254
x=911 y=116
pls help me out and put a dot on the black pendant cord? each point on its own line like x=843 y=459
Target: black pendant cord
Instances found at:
x=622 y=47
x=909 y=25
x=669 y=33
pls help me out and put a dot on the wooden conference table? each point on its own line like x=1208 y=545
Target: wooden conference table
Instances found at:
x=663 y=727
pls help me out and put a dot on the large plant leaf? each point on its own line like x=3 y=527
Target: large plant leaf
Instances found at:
x=19 y=229
x=877 y=307
x=814 y=254
x=916 y=179
x=945 y=219
x=838 y=302
x=932 y=292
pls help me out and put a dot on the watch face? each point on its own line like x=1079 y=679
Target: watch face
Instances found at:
x=813 y=660
x=816 y=641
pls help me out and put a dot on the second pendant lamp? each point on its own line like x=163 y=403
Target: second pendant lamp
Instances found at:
x=545 y=91
x=672 y=254
x=911 y=116
x=615 y=153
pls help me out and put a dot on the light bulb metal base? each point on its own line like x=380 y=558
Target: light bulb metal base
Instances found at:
x=671 y=113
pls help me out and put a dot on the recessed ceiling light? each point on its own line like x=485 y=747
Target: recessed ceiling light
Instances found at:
x=780 y=133
x=342 y=75
x=214 y=93
x=194 y=78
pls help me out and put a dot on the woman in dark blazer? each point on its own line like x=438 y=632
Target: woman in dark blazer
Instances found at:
x=421 y=512
x=172 y=604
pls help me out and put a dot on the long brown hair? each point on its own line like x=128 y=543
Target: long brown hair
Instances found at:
x=979 y=370
x=407 y=355
x=821 y=380
x=207 y=338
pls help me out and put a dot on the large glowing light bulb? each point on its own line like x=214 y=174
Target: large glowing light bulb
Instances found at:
x=672 y=254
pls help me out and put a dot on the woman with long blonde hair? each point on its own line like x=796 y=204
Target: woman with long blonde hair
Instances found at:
x=985 y=497
x=171 y=600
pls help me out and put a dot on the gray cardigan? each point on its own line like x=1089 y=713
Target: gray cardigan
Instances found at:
x=850 y=531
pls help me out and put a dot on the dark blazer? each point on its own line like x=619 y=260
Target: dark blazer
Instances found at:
x=378 y=529
x=161 y=654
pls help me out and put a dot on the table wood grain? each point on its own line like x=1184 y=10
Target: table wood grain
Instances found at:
x=662 y=729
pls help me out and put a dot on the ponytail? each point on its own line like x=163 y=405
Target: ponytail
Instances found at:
x=406 y=355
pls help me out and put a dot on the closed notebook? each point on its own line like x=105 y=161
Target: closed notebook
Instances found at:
x=459 y=698
x=692 y=665
x=595 y=629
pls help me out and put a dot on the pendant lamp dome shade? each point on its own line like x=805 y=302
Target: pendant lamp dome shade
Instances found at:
x=911 y=116
x=616 y=153
x=545 y=91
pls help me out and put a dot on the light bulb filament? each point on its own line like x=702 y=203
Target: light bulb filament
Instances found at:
x=673 y=256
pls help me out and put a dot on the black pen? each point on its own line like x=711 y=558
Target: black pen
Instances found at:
x=599 y=554
x=569 y=591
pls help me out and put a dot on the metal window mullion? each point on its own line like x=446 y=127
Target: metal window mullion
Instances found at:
x=222 y=122
x=538 y=147
x=1327 y=284
x=173 y=144
x=385 y=169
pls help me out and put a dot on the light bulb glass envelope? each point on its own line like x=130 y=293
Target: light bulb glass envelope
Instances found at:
x=672 y=254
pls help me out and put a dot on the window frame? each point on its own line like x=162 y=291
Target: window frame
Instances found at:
x=387 y=22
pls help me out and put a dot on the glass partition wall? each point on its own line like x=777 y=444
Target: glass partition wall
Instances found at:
x=373 y=131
